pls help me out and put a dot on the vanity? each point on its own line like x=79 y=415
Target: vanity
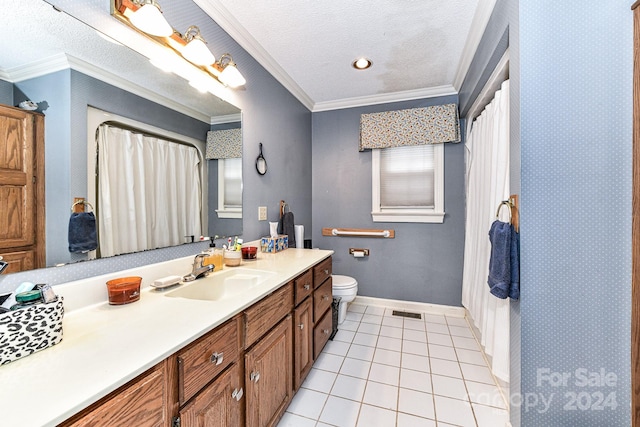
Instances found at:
x=182 y=356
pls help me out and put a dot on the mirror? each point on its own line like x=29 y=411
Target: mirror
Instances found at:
x=261 y=163
x=64 y=65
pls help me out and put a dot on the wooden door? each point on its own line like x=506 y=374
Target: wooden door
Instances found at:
x=268 y=376
x=302 y=342
x=21 y=188
x=217 y=405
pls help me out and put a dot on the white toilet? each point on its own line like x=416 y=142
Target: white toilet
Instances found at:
x=346 y=288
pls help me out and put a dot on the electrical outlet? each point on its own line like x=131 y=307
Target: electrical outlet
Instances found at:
x=262 y=213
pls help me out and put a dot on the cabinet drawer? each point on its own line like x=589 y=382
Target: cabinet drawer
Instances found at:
x=321 y=272
x=321 y=334
x=322 y=299
x=202 y=360
x=140 y=402
x=264 y=315
x=303 y=286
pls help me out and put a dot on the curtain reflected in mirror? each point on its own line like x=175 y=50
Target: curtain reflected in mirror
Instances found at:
x=149 y=191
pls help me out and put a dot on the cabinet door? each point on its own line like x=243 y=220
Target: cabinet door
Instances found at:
x=217 y=405
x=302 y=342
x=22 y=186
x=268 y=376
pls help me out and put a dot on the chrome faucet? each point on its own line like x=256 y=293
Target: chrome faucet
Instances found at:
x=198 y=270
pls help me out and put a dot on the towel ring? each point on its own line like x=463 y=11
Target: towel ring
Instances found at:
x=81 y=202
x=504 y=203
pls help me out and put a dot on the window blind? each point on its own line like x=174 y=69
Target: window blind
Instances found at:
x=407 y=177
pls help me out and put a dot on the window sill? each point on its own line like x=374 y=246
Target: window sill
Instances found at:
x=229 y=214
x=424 y=217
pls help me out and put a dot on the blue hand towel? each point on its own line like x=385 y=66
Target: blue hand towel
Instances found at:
x=499 y=280
x=514 y=287
x=82 y=232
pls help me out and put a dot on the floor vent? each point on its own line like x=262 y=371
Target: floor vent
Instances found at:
x=407 y=314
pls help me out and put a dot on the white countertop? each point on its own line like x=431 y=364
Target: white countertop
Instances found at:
x=105 y=346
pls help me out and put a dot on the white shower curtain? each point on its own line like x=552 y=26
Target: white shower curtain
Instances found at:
x=149 y=192
x=487 y=185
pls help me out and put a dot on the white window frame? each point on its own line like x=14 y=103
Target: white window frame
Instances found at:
x=425 y=215
x=225 y=211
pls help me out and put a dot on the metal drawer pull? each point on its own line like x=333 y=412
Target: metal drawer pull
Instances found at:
x=307 y=287
x=326 y=271
x=217 y=358
x=326 y=331
x=237 y=394
x=301 y=326
x=255 y=377
x=325 y=297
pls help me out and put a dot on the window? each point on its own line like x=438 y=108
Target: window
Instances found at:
x=408 y=184
x=229 y=188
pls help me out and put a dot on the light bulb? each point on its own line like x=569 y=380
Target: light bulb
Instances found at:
x=150 y=20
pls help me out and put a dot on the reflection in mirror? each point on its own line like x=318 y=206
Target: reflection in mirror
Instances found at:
x=65 y=66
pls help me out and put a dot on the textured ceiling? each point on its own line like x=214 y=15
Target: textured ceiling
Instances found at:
x=416 y=46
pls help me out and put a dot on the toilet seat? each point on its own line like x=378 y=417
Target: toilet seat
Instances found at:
x=343 y=282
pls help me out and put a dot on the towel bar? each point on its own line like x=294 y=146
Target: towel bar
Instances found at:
x=358 y=232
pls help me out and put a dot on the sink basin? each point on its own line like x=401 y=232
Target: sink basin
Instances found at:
x=222 y=285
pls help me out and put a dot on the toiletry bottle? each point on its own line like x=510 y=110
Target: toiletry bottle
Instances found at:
x=215 y=257
x=25 y=299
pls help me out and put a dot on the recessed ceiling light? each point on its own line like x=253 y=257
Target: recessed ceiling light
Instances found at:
x=361 y=63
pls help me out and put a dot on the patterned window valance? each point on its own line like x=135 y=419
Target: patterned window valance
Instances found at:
x=224 y=144
x=415 y=126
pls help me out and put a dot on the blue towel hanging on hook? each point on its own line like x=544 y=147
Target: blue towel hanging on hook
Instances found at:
x=83 y=236
x=504 y=264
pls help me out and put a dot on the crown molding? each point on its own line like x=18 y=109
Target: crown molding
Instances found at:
x=478 y=26
x=228 y=23
x=229 y=118
x=63 y=61
x=385 y=98
x=35 y=69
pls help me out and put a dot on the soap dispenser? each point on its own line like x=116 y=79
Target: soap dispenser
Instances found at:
x=215 y=256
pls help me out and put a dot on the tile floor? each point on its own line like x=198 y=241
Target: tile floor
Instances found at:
x=383 y=370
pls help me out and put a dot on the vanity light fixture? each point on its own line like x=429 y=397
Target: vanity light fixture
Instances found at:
x=229 y=74
x=191 y=46
x=361 y=63
x=148 y=18
x=196 y=49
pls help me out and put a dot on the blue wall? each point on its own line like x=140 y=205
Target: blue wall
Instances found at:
x=424 y=261
x=576 y=117
x=52 y=94
x=6 y=93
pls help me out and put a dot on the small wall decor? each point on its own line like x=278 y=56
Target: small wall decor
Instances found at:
x=261 y=163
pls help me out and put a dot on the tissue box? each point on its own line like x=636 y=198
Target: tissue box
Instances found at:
x=274 y=244
x=30 y=329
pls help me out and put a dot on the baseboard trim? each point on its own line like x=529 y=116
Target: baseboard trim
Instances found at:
x=421 y=307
